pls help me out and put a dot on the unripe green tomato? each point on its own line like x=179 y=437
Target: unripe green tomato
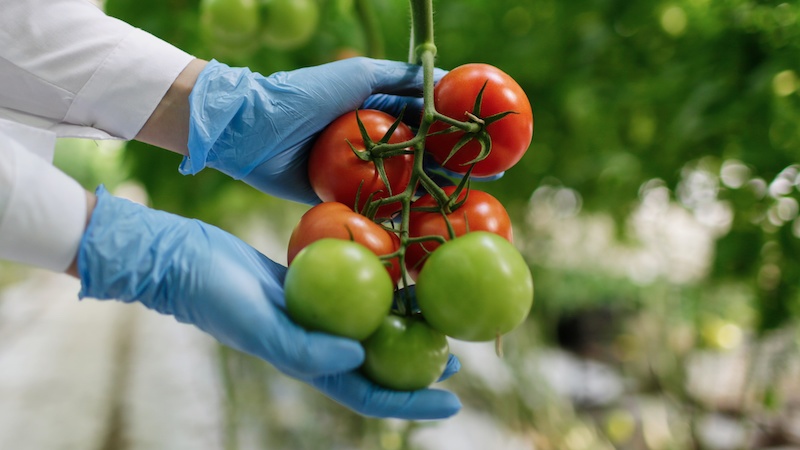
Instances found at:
x=288 y=24
x=405 y=354
x=338 y=287
x=229 y=22
x=476 y=287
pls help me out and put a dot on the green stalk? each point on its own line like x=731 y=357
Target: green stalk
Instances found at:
x=422 y=50
x=468 y=127
x=421 y=28
x=369 y=20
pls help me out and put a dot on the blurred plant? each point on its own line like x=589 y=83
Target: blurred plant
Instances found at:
x=658 y=207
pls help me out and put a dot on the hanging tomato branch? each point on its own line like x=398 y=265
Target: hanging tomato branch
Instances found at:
x=454 y=241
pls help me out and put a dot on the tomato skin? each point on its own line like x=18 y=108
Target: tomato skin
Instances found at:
x=288 y=24
x=336 y=220
x=229 y=22
x=480 y=212
x=455 y=94
x=336 y=173
x=338 y=287
x=405 y=354
x=475 y=288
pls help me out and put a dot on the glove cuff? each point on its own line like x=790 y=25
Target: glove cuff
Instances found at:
x=118 y=257
x=219 y=99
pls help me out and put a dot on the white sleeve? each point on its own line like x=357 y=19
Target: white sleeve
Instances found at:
x=67 y=67
x=42 y=210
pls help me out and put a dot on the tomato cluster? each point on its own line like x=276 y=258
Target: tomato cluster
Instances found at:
x=384 y=223
x=246 y=24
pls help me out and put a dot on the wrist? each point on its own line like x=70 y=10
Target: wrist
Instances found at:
x=222 y=95
x=168 y=125
x=91 y=201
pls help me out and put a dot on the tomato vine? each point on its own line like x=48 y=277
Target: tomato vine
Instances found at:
x=431 y=209
x=422 y=51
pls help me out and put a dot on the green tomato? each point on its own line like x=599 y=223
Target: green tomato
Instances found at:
x=229 y=22
x=338 y=287
x=476 y=287
x=405 y=354
x=288 y=24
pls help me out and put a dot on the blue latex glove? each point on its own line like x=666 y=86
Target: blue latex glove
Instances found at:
x=204 y=276
x=260 y=129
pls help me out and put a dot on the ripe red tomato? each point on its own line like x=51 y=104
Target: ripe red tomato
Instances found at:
x=455 y=95
x=336 y=173
x=475 y=288
x=480 y=212
x=335 y=220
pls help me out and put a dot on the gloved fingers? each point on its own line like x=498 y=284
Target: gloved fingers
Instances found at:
x=449 y=177
x=407 y=293
x=361 y=76
x=453 y=366
x=455 y=175
x=285 y=176
x=303 y=354
x=394 y=105
x=399 y=78
x=241 y=302
x=354 y=391
x=393 y=101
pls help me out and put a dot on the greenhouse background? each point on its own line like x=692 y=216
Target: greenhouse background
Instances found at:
x=657 y=207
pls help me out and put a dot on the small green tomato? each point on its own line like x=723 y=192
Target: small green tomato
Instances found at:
x=405 y=354
x=476 y=287
x=338 y=287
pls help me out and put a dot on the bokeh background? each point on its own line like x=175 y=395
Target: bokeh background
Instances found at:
x=657 y=207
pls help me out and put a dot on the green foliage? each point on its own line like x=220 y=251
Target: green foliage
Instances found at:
x=626 y=92
x=698 y=97
x=623 y=93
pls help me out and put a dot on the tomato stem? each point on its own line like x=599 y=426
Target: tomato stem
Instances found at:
x=421 y=239
x=422 y=50
x=421 y=29
x=387 y=149
x=369 y=20
x=450 y=230
x=467 y=126
x=498 y=345
x=405 y=212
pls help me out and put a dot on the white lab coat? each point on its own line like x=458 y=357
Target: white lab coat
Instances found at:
x=66 y=70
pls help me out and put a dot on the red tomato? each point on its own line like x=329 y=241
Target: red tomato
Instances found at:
x=480 y=212
x=336 y=173
x=336 y=220
x=454 y=96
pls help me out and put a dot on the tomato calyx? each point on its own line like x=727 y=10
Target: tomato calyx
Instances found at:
x=370 y=209
x=447 y=204
x=475 y=128
x=376 y=152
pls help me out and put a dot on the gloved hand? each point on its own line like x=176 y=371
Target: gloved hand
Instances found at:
x=260 y=129
x=204 y=276
x=350 y=388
